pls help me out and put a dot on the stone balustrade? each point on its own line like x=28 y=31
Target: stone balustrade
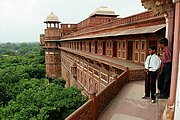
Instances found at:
x=97 y=103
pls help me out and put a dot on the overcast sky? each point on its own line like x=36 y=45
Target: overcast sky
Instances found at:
x=22 y=20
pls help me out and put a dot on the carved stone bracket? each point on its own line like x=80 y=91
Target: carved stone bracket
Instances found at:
x=157 y=6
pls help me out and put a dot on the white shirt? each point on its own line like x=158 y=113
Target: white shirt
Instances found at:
x=152 y=62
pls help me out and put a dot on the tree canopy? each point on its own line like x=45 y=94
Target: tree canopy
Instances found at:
x=26 y=94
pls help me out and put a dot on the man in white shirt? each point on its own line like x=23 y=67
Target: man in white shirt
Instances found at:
x=152 y=64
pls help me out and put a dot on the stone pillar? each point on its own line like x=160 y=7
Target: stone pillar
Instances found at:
x=175 y=53
x=92 y=96
x=115 y=76
x=166 y=34
x=170 y=22
x=169 y=110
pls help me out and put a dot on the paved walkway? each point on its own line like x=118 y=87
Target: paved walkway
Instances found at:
x=128 y=105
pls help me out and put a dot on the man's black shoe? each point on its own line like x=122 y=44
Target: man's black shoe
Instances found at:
x=144 y=97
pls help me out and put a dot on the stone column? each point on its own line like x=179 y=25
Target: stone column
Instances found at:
x=166 y=34
x=169 y=15
x=115 y=76
x=169 y=110
x=92 y=96
x=175 y=53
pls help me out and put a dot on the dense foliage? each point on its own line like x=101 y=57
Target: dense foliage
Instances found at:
x=25 y=93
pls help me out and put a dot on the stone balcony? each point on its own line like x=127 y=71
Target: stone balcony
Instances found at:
x=128 y=105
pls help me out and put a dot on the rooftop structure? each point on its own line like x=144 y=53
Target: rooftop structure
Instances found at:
x=103 y=10
x=52 y=18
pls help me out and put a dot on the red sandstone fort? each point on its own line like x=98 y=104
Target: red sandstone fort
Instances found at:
x=103 y=52
x=94 y=50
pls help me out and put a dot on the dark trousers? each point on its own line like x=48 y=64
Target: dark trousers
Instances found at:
x=150 y=84
x=164 y=80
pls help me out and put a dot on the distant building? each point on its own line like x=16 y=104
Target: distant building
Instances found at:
x=93 y=51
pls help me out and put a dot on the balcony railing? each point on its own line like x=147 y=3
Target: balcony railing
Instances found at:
x=97 y=103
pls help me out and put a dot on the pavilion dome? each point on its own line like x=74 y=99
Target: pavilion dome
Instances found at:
x=103 y=11
x=52 y=18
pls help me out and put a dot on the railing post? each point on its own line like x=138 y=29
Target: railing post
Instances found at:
x=127 y=69
x=92 y=96
x=116 y=83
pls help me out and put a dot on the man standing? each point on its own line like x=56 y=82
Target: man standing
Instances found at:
x=164 y=80
x=152 y=64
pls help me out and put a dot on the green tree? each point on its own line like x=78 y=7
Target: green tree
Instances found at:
x=25 y=93
x=44 y=102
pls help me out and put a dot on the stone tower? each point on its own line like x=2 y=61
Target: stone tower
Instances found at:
x=52 y=53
